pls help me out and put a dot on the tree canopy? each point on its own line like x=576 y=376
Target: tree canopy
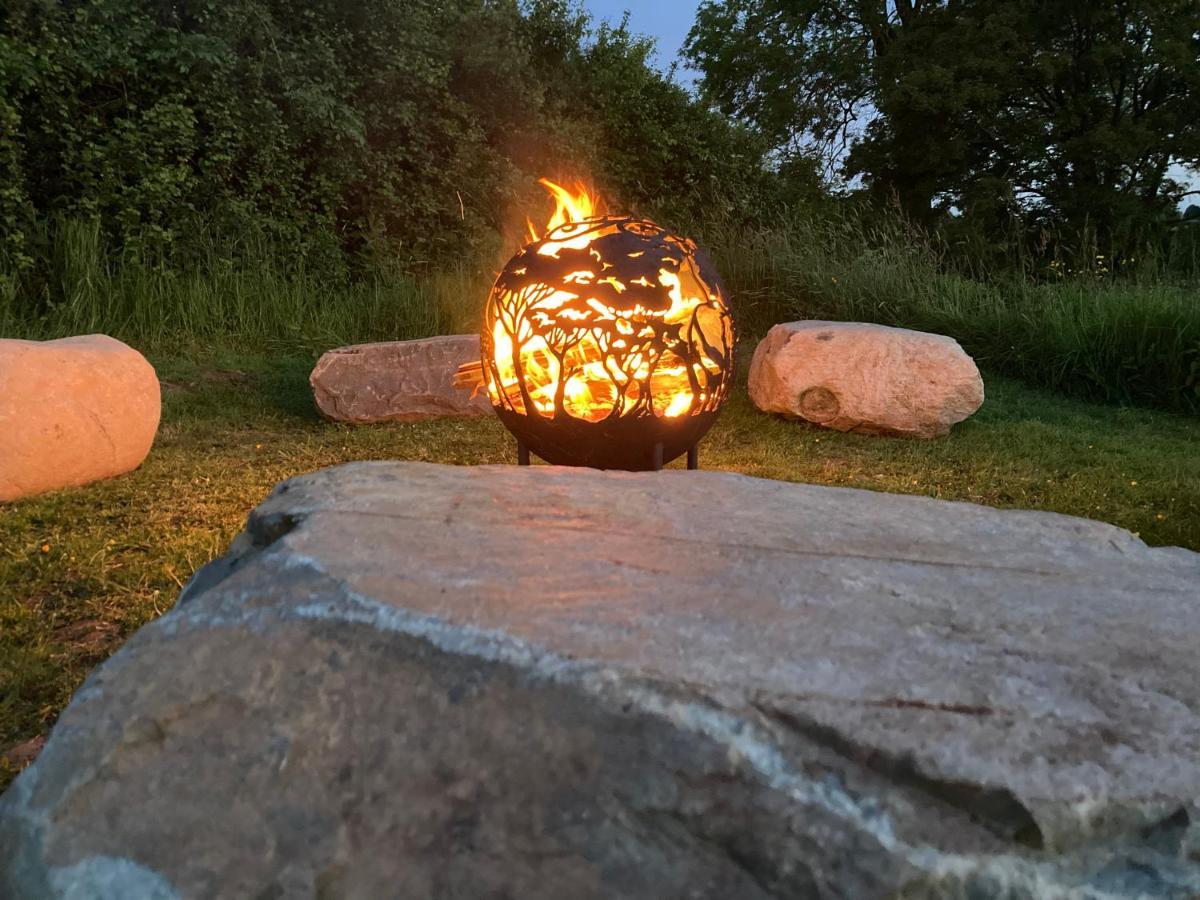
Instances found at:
x=409 y=126
x=1064 y=112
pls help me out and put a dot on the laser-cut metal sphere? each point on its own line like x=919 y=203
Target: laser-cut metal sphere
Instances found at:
x=604 y=338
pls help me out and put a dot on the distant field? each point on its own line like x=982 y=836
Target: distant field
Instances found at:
x=81 y=569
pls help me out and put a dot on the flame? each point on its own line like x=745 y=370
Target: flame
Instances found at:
x=608 y=367
x=569 y=207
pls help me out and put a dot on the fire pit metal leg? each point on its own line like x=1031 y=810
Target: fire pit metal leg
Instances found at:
x=522 y=454
x=694 y=456
x=657 y=459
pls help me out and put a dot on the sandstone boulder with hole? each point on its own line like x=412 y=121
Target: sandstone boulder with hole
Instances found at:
x=870 y=379
x=398 y=381
x=410 y=680
x=73 y=411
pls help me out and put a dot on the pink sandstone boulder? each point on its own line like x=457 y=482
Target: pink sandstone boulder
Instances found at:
x=397 y=381
x=871 y=379
x=73 y=411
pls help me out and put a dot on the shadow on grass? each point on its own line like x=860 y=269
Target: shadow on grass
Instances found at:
x=237 y=388
x=286 y=387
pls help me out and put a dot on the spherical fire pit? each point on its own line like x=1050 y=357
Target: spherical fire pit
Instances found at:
x=608 y=342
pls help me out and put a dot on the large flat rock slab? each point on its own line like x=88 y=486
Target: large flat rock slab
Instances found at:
x=426 y=681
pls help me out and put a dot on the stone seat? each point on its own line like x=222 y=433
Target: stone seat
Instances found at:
x=73 y=411
x=869 y=379
x=397 y=381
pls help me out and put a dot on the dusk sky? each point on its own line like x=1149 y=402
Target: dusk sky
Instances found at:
x=667 y=21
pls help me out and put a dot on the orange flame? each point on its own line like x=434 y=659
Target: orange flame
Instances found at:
x=569 y=207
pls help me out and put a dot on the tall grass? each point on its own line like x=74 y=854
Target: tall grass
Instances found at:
x=1134 y=339
x=260 y=297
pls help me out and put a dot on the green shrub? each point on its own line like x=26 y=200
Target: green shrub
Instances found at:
x=400 y=129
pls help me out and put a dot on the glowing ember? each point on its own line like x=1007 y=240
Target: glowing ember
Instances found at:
x=605 y=318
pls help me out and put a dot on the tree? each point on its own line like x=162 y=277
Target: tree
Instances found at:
x=1066 y=112
x=402 y=131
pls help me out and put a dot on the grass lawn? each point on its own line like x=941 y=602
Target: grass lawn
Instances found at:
x=82 y=569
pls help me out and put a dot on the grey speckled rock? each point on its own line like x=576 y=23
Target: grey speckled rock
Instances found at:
x=410 y=680
x=397 y=381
